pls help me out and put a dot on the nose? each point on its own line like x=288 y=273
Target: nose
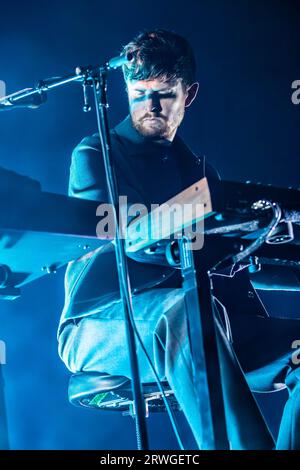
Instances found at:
x=153 y=103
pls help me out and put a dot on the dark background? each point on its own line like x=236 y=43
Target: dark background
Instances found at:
x=243 y=120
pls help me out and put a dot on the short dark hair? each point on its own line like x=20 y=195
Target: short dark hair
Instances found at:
x=160 y=54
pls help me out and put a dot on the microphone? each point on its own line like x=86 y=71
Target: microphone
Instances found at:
x=16 y=100
x=120 y=60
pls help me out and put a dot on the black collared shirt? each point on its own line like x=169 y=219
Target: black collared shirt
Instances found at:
x=147 y=171
x=156 y=164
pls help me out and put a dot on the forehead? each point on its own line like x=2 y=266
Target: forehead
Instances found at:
x=153 y=85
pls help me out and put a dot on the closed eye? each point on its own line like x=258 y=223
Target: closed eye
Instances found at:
x=169 y=94
x=164 y=94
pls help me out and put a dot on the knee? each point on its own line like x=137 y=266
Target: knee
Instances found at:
x=66 y=348
x=293 y=380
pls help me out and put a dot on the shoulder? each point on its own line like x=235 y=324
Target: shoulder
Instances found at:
x=92 y=142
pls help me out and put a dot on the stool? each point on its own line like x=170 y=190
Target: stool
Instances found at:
x=113 y=392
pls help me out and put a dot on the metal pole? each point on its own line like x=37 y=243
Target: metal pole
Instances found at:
x=99 y=85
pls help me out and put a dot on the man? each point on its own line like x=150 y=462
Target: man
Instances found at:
x=152 y=164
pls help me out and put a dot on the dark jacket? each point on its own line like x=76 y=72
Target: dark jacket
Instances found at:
x=146 y=173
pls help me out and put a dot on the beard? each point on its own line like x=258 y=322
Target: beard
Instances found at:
x=151 y=127
x=157 y=127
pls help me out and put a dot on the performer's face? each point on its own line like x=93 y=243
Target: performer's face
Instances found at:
x=157 y=107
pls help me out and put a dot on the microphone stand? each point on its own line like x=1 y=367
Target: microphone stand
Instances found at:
x=99 y=87
x=96 y=76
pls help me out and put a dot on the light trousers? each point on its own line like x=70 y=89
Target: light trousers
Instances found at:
x=98 y=343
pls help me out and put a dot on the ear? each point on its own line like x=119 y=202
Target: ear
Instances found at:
x=192 y=91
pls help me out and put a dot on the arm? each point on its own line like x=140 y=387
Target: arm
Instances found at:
x=87 y=175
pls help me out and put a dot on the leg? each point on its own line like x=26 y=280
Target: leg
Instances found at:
x=264 y=347
x=97 y=343
x=289 y=431
x=245 y=426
